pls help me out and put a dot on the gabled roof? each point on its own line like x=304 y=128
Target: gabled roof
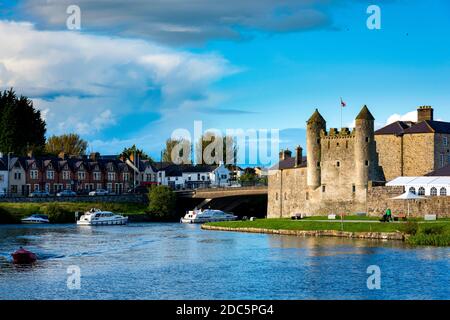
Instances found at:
x=3 y=164
x=429 y=127
x=397 y=128
x=289 y=163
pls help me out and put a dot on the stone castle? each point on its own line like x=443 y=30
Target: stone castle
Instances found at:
x=342 y=166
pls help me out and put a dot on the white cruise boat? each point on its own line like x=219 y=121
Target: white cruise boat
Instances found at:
x=36 y=219
x=209 y=215
x=96 y=217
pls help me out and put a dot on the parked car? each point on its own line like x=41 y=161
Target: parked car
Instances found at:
x=66 y=193
x=138 y=190
x=39 y=194
x=83 y=192
x=99 y=192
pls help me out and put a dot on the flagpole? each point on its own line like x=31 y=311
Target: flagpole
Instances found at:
x=341 y=113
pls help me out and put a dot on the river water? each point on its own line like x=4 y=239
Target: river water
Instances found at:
x=174 y=261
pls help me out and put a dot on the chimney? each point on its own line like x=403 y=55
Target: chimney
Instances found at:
x=298 y=156
x=425 y=113
x=284 y=154
x=94 y=156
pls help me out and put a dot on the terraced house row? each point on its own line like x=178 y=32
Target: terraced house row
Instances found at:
x=20 y=176
x=53 y=174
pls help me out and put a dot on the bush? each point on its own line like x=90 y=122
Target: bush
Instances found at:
x=58 y=214
x=430 y=240
x=162 y=203
x=411 y=228
x=432 y=230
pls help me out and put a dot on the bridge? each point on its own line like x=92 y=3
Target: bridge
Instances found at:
x=214 y=193
x=243 y=201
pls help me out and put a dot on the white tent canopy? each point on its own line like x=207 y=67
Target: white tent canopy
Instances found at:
x=419 y=181
x=408 y=196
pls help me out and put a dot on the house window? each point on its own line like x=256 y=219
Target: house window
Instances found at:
x=421 y=191
x=2 y=178
x=445 y=141
x=34 y=174
x=17 y=176
x=433 y=192
x=442 y=160
x=126 y=176
x=97 y=176
x=50 y=174
x=66 y=175
x=412 y=190
x=443 y=192
x=36 y=187
x=111 y=176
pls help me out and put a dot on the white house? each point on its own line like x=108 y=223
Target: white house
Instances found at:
x=4 y=176
x=220 y=176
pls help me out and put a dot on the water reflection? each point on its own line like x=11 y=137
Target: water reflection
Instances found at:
x=174 y=261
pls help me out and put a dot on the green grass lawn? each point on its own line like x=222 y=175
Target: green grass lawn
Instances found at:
x=13 y=212
x=429 y=233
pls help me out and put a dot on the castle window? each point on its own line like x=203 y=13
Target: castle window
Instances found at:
x=412 y=190
x=443 y=192
x=276 y=196
x=285 y=196
x=346 y=144
x=367 y=163
x=324 y=188
x=337 y=144
x=318 y=141
x=329 y=144
x=318 y=164
x=307 y=196
x=353 y=188
x=338 y=164
x=421 y=191
x=433 y=192
x=367 y=139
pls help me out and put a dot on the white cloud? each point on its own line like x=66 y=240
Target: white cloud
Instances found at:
x=410 y=116
x=84 y=82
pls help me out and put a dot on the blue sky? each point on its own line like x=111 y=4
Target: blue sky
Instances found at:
x=136 y=72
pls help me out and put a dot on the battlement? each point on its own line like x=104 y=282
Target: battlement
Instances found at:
x=335 y=133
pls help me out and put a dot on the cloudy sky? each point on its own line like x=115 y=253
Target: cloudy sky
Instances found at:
x=138 y=70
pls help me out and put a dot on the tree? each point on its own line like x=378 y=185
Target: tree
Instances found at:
x=170 y=145
x=162 y=203
x=208 y=144
x=22 y=128
x=127 y=153
x=71 y=144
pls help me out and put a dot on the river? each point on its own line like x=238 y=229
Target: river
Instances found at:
x=174 y=261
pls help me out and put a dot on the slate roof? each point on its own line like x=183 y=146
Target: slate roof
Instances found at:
x=289 y=163
x=443 y=172
x=427 y=126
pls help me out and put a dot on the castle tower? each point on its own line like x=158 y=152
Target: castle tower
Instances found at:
x=314 y=127
x=364 y=147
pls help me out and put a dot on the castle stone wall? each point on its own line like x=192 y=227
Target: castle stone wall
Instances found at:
x=418 y=154
x=389 y=148
x=380 y=198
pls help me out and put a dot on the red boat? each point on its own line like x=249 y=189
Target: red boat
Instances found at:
x=23 y=256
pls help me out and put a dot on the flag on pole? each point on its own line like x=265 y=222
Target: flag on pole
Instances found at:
x=343 y=104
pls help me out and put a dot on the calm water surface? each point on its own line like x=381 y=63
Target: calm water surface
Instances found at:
x=174 y=261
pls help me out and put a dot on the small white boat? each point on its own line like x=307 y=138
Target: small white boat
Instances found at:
x=96 y=217
x=209 y=215
x=36 y=219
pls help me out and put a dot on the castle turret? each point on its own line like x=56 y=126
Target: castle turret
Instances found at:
x=364 y=147
x=315 y=125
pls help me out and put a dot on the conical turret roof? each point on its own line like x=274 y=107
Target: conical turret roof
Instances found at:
x=316 y=117
x=365 y=114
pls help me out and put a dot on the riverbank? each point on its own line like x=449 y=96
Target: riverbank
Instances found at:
x=426 y=233
x=63 y=212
